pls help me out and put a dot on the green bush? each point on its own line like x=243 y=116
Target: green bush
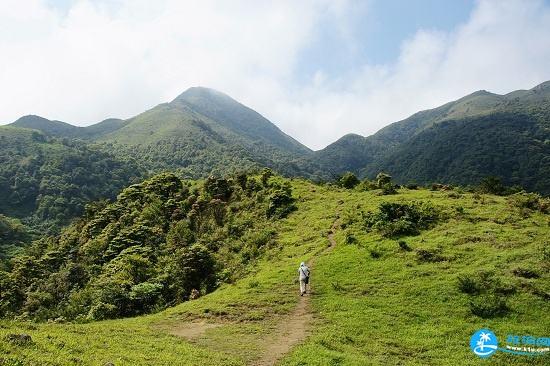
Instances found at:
x=530 y=201
x=383 y=182
x=398 y=219
x=468 y=285
x=350 y=238
x=404 y=246
x=429 y=255
x=489 y=306
x=102 y=311
x=281 y=202
x=525 y=272
x=348 y=181
x=492 y=185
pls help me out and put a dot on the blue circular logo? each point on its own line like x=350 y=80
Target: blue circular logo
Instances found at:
x=484 y=343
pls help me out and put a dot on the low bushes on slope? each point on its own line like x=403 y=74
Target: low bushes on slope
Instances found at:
x=398 y=219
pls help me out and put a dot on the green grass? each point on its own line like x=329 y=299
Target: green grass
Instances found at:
x=385 y=310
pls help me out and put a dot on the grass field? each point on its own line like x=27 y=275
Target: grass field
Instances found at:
x=374 y=303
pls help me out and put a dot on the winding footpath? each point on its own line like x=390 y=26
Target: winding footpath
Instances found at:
x=295 y=327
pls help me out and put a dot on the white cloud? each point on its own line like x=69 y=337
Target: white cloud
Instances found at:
x=104 y=59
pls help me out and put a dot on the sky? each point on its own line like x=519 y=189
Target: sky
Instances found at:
x=317 y=69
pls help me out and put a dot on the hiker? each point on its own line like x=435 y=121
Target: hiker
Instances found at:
x=304 y=278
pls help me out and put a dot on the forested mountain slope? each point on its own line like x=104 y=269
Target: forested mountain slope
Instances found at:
x=46 y=181
x=511 y=133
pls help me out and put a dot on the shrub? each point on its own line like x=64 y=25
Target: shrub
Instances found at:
x=375 y=253
x=265 y=175
x=530 y=201
x=492 y=185
x=481 y=282
x=489 y=306
x=468 y=285
x=350 y=238
x=429 y=255
x=546 y=252
x=218 y=188
x=404 y=246
x=180 y=235
x=367 y=185
x=525 y=273
x=348 y=181
x=281 y=202
x=144 y=295
x=102 y=311
x=397 y=219
x=383 y=182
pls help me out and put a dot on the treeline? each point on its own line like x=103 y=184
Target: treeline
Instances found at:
x=384 y=182
x=161 y=242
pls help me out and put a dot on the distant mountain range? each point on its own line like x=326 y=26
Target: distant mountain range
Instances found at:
x=204 y=131
x=460 y=142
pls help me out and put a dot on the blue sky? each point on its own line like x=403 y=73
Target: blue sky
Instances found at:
x=379 y=28
x=318 y=69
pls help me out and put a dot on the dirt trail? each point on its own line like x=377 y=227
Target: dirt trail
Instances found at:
x=193 y=330
x=293 y=328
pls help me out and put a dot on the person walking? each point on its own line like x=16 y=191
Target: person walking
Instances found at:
x=303 y=271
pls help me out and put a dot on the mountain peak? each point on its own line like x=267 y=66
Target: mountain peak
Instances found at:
x=49 y=127
x=31 y=118
x=200 y=92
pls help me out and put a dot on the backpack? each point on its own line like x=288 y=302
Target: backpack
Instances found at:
x=306 y=281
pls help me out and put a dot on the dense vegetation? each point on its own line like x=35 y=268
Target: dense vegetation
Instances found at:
x=512 y=146
x=47 y=181
x=161 y=242
x=13 y=237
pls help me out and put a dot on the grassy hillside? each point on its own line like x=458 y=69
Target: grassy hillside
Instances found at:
x=394 y=290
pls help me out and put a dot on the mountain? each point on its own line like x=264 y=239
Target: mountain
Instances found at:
x=237 y=118
x=204 y=131
x=63 y=129
x=48 y=127
x=459 y=142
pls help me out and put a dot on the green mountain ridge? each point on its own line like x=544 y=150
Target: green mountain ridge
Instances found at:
x=64 y=129
x=203 y=132
x=388 y=149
